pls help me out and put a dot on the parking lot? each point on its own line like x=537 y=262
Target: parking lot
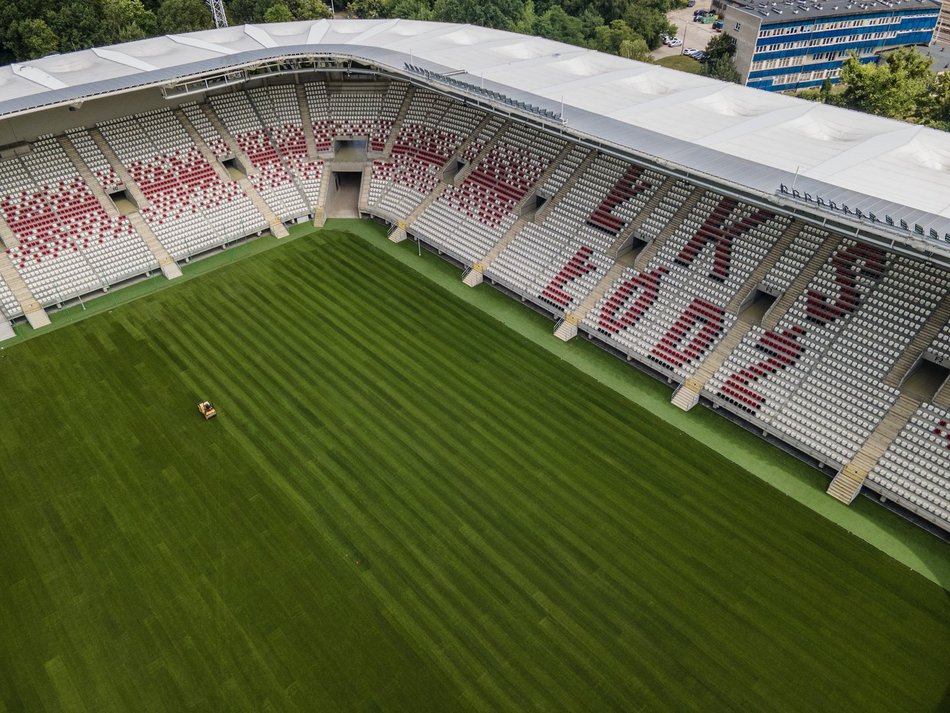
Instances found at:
x=693 y=34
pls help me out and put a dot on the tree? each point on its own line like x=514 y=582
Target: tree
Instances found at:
x=723 y=69
x=410 y=9
x=722 y=45
x=608 y=38
x=126 y=20
x=310 y=10
x=366 y=9
x=487 y=13
x=719 y=53
x=941 y=102
x=650 y=23
x=34 y=38
x=525 y=24
x=635 y=49
x=555 y=24
x=183 y=16
x=899 y=87
x=278 y=12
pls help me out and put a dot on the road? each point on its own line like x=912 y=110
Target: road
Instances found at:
x=696 y=33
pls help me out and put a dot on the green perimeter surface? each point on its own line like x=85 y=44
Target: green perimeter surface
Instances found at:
x=405 y=505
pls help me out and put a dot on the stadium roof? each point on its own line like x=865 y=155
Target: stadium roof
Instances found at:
x=707 y=130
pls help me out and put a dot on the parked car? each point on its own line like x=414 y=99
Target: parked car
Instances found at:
x=691 y=52
x=665 y=38
x=675 y=42
x=717 y=25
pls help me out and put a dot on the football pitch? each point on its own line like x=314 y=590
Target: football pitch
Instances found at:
x=404 y=505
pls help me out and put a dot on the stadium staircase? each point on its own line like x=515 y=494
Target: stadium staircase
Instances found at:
x=229 y=140
x=847 y=483
x=6 y=235
x=687 y=394
x=363 y=202
x=519 y=224
x=650 y=206
x=306 y=122
x=467 y=141
x=166 y=262
x=942 y=397
x=567 y=329
x=268 y=121
x=107 y=205
x=650 y=251
x=120 y=171
x=164 y=259
x=631 y=229
x=763 y=268
x=921 y=341
x=320 y=208
x=398 y=235
x=203 y=148
x=566 y=187
x=32 y=310
x=277 y=228
x=801 y=281
x=397 y=124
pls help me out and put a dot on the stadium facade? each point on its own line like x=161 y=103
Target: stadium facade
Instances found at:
x=787 y=46
x=785 y=262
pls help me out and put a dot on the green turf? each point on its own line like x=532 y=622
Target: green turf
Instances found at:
x=682 y=63
x=405 y=505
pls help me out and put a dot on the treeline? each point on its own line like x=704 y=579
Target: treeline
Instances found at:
x=629 y=28
x=35 y=28
x=900 y=86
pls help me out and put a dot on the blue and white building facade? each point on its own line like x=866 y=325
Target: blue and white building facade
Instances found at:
x=797 y=44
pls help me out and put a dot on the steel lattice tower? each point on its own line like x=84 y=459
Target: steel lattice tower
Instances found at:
x=217 y=12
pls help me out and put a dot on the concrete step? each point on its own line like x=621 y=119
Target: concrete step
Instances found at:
x=203 y=148
x=306 y=122
x=782 y=305
x=277 y=228
x=165 y=261
x=120 y=170
x=651 y=204
x=566 y=330
x=763 y=268
x=942 y=397
x=710 y=365
x=847 y=483
x=604 y=284
x=6 y=330
x=686 y=395
x=229 y=140
x=397 y=124
x=473 y=277
x=363 y=203
x=107 y=205
x=650 y=251
x=920 y=343
x=498 y=247
x=565 y=187
x=30 y=307
x=6 y=235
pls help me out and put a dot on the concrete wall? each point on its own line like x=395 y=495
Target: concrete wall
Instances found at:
x=745 y=37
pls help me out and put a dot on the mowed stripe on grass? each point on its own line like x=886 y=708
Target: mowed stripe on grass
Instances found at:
x=407 y=506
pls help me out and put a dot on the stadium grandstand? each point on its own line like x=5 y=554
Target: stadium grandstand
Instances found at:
x=452 y=292
x=784 y=262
